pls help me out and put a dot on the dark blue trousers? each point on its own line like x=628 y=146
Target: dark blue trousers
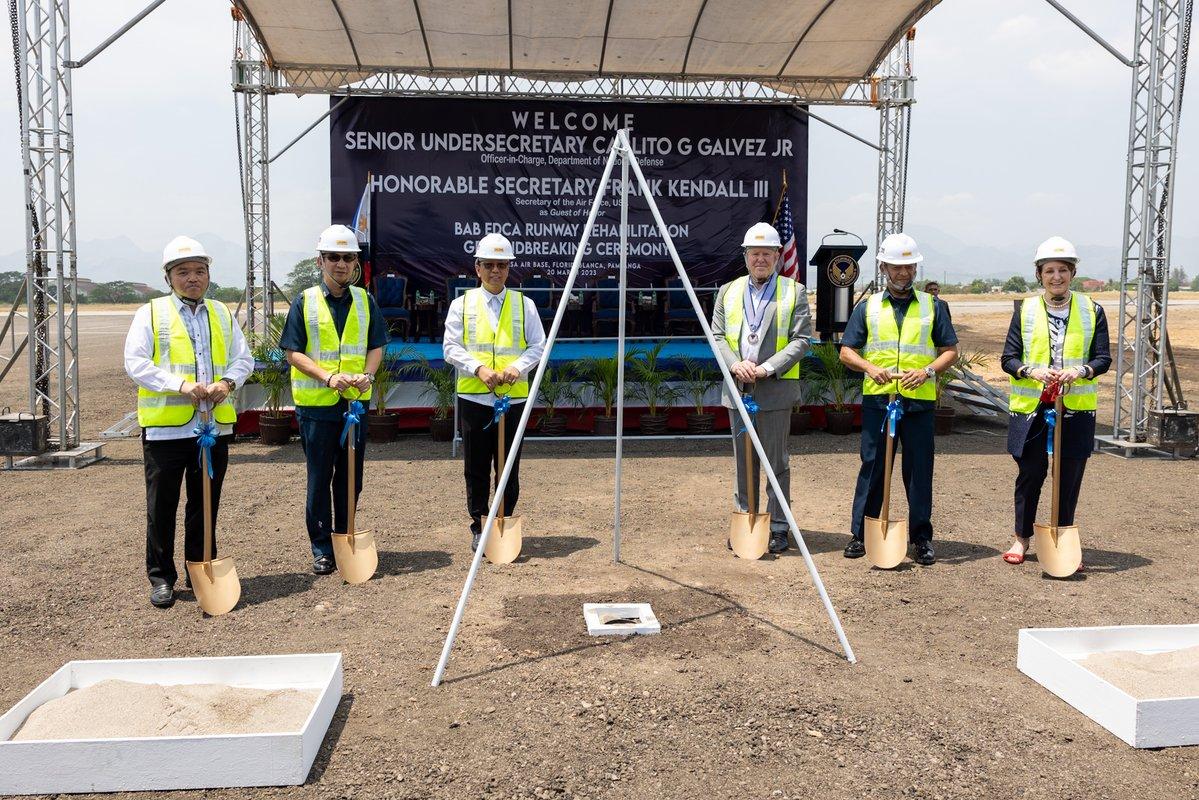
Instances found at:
x=321 y=440
x=914 y=442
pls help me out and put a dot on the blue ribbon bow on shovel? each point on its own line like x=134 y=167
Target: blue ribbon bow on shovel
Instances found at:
x=1051 y=421
x=891 y=420
x=751 y=408
x=501 y=405
x=206 y=437
x=353 y=416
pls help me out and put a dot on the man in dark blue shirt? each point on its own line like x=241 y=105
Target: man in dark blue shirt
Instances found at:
x=322 y=384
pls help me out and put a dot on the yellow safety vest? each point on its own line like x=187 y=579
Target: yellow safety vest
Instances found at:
x=785 y=293
x=333 y=354
x=890 y=348
x=174 y=353
x=499 y=347
x=1034 y=331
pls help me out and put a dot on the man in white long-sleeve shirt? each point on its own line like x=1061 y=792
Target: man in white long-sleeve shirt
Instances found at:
x=186 y=354
x=494 y=338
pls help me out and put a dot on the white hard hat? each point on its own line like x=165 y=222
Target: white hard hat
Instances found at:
x=899 y=248
x=337 y=239
x=1055 y=248
x=494 y=247
x=183 y=248
x=762 y=235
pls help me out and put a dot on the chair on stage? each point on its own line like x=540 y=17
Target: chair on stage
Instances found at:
x=391 y=294
x=607 y=307
x=539 y=289
x=679 y=312
x=456 y=286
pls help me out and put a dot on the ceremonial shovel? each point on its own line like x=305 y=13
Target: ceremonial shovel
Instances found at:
x=1059 y=549
x=504 y=543
x=354 y=551
x=214 y=582
x=749 y=533
x=886 y=539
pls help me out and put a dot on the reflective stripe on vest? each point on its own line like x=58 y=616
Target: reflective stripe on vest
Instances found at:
x=330 y=352
x=497 y=348
x=786 y=291
x=1025 y=393
x=890 y=348
x=174 y=353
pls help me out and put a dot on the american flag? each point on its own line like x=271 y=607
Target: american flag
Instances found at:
x=789 y=265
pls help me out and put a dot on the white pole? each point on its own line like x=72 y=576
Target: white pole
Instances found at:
x=620 y=336
x=534 y=385
x=732 y=387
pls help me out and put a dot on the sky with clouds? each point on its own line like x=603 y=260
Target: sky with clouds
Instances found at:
x=1019 y=133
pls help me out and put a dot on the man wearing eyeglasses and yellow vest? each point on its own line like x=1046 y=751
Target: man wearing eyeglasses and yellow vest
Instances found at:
x=334 y=338
x=901 y=339
x=763 y=327
x=493 y=337
x=186 y=354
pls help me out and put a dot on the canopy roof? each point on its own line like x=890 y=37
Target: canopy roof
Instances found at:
x=770 y=41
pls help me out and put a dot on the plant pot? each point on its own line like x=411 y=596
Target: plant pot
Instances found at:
x=801 y=422
x=839 y=422
x=274 y=429
x=943 y=421
x=605 y=426
x=382 y=427
x=700 y=424
x=653 y=424
x=442 y=428
x=552 y=426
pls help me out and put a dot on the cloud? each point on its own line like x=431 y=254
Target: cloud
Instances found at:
x=955 y=200
x=1091 y=67
x=1020 y=28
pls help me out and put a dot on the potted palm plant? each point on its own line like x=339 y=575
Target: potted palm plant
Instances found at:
x=443 y=386
x=697 y=377
x=945 y=414
x=600 y=376
x=382 y=425
x=274 y=376
x=801 y=417
x=554 y=391
x=833 y=383
x=651 y=384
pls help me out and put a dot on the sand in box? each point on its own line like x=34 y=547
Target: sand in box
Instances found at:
x=115 y=709
x=1149 y=676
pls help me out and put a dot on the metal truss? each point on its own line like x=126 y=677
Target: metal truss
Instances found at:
x=892 y=92
x=48 y=159
x=314 y=79
x=1143 y=355
x=252 y=80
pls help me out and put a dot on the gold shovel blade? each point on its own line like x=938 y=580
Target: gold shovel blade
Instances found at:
x=885 y=548
x=749 y=534
x=1059 y=556
x=216 y=585
x=504 y=543
x=356 y=556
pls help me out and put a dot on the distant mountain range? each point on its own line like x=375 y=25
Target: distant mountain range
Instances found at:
x=945 y=256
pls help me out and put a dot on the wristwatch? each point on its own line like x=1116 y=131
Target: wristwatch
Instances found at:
x=370 y=377
x=228 y=382
x=932 y=373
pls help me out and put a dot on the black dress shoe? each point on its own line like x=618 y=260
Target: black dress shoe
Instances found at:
x=475 y=538
x=323 y=565
x=855 y=549
x=162 y=596
x=923 y=554
x=779 y=541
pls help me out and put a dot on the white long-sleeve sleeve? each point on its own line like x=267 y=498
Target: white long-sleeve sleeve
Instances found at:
x=241 y=363
x=452 y=347
x=139 y=356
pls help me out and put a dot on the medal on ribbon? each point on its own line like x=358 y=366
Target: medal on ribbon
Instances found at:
x=755 y=311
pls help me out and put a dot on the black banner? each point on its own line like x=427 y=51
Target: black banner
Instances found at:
x=447 y=171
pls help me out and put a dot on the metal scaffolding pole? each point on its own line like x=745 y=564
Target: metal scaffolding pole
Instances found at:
x=891 y=90
x=47 y=154
x=1142 y=351
x=251 y=79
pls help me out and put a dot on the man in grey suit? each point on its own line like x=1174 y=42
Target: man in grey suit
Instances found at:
x=762 y=328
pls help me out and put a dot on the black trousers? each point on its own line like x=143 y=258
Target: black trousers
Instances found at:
x=914 y=441
x=169 y=464
x=480 y=452
x=1033 y=467
x=327 y=477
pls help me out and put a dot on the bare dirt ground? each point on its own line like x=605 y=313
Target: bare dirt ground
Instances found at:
x=743 y=694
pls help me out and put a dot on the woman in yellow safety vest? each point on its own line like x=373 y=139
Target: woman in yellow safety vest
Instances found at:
x=1059 y=337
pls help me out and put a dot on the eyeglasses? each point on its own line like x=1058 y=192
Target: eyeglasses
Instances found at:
x=333 y=258
x=494 y=267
